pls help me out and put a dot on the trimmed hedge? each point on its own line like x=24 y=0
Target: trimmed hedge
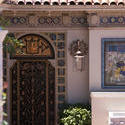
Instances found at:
x=77 y=114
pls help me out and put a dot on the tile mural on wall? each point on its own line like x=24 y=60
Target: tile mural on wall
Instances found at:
x=113 y=62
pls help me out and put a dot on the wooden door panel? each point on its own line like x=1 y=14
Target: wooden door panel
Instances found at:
x=33 y=93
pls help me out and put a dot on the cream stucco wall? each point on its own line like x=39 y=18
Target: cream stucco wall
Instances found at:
x=77 y=81
x=102 y=100
x=105 y=102
x=95 y=35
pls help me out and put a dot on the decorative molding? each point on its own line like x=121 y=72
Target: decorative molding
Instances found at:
x=107 y=94
x=47 y=21
x=60 y=20
x=63 y=19
x=79 y=20
x=63 y=8
x=50 y=20
x=35 y=47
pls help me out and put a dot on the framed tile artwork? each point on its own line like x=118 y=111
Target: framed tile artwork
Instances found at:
x=113 y=63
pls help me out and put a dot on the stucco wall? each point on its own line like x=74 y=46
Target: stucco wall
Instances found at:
x=95 y=36
x=105 y=102
x=77 y=82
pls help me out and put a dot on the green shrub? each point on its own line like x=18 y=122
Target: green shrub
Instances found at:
x=75 y=115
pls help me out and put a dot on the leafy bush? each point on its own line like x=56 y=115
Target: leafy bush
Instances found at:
x=75 y=115
x=12 y=45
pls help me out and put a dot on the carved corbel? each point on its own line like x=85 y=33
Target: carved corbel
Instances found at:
x=93 y=19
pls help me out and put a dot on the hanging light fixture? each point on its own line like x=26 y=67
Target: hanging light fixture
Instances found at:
x=78 y=53
x=79 y=49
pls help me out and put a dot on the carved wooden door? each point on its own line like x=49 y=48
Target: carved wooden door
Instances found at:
x=32 y=93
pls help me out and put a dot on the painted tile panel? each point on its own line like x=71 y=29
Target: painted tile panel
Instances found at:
x=113 y=62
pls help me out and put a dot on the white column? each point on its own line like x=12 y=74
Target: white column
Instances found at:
x=2 y=36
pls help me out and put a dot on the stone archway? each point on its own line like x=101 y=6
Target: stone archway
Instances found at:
x=35 y=47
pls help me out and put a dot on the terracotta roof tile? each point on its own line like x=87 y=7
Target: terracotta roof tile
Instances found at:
x=66 y=2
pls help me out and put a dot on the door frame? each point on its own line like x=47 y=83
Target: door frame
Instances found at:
x=10 y=92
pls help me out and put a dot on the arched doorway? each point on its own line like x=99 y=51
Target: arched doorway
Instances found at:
x=33 y=85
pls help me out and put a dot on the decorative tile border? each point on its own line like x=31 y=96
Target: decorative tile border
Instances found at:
x=18 y=20
x=81 y=20
x=63 y=20
x=60 y=21
x=46 y=21
x=107 y=20
x=59 y=41
x=50 y=20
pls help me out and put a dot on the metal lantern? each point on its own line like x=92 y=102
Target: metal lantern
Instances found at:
x=79 y=49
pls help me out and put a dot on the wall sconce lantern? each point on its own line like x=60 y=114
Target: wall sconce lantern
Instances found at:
x=79 y=50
